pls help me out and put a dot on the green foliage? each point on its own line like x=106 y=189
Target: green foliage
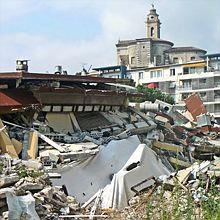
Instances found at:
x=22 y=171
x=211 y=207
x=179 y=204
x=152 y=95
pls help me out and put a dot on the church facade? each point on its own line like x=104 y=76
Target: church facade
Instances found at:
x=152 y=50
x=178 y=71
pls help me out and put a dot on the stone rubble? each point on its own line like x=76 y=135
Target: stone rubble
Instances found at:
x=188 y=151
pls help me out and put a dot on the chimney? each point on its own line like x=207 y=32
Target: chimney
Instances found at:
x=58 y=70
x=22 y=65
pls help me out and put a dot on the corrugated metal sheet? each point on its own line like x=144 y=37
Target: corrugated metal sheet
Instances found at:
x=43 y=76
x=91 y=120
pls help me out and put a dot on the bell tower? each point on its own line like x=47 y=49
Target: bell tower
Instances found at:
x=153 y=24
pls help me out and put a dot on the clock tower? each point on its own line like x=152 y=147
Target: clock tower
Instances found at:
x=153 y=24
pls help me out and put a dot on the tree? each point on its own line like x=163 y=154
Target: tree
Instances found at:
x=151 y=95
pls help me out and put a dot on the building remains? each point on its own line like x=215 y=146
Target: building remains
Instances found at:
x=73 y=147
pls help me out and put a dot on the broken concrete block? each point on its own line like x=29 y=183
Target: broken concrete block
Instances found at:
x=32 y=164
x=28 y=186
x=60 y=122
x=77 y=155
x=8 y=180
x=141 y=124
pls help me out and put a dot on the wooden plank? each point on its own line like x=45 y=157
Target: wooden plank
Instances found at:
x=33 y=145
x=74 y=121
x=5 y=142
x=18 y=145
x=168 y=146
x=50 y=142
x=97 y=201
x=179 y=162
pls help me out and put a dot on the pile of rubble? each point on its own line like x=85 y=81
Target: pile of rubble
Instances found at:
x=75 y=148
x=191 y=193
x=26 y=192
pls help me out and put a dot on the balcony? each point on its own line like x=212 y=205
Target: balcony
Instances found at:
x=185 y=88
x=217 y=84
x=217 y=98
x=202 y=85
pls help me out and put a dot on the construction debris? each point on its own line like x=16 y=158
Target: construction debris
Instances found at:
x=76 y=149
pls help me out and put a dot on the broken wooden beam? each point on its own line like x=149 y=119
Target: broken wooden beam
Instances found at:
x=33 y=145
x=178 y=162
x=6 y=143
x=50 y=142
x=168 y=146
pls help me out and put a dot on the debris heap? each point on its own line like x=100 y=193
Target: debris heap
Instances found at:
x=73 y=147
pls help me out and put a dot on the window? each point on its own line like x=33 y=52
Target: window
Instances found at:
x=158 y=59
x=202 y=81
x=187 y=84
x=143 y=47
x=132 y=60
x=186 y=70
x=141 y=75
x=172 y=85
x=152 y=32
x=203 y=94
x=193 y=58
x=156 y=74
x=172 y=72
x=192 y=70
x=175 y=60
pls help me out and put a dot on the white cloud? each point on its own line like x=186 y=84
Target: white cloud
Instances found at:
x=10 y=10
x=182 y=22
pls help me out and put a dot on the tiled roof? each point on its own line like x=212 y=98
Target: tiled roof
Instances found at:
x=129 y=42
x=184 y=49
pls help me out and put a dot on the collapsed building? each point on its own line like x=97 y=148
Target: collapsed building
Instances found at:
x=73 y=146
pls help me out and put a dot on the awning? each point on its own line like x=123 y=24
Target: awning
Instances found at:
x=203 y=64
x=152 y=86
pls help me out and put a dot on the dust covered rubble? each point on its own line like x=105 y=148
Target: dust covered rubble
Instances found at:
x=169 y=149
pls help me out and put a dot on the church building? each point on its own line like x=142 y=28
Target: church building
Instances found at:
x=153 y=50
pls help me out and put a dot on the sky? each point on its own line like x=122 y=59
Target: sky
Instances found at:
x=77 y=33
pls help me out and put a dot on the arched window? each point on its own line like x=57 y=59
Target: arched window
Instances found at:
x=152 y=32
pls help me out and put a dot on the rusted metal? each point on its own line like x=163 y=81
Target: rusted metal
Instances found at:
x=51 y=77
x=195 y=105
x=16 y=100
x=89 y=91
x=11 y=75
